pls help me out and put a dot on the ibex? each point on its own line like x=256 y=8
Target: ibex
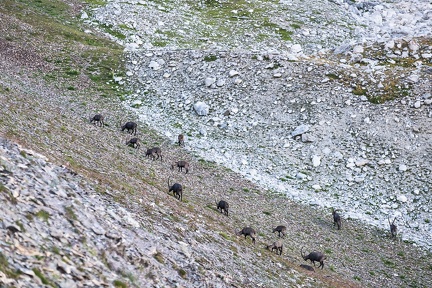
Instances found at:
x=314 y=256
x=99 y=118
x=134 y=142
x=177 y=190
x=247 y=231
x=130 y=126
x=153 y=152
x=223 y=206
x=181 y=165
x=393 y=227
x=276 y=245
x=336 y=219
x=181 y=140
x=281 y=229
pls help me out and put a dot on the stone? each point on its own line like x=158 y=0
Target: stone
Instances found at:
x=403 y=168
x=300 y=130
x=316 y=160
x=154 y=65
x=209 y=81
x=201 y=108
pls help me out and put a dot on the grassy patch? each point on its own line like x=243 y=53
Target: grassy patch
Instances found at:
x=224 y=235
x=119 y=284
x=159 y=257
x=43 y=215
x=70 y=213
x=210 y=58
x=4 y=267
x=19 y=224
x=388 y=263
x=44 y=280
x=182 y=273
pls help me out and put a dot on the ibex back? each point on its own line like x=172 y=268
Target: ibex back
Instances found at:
x=131 y=127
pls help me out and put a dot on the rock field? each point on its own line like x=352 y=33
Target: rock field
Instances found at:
x=289 y=108
x=240 y=103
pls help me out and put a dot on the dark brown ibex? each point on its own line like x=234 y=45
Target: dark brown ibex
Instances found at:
x=276 y=245
x=98 y=118
x=134 y=142
x=153 y=152
x=336 y=219
x=177 y=190
x=181 y=165
x=181 y=140
x=314 y=256
x=393 y=227
x=223 y=206
x=130 y=127
x=247 y=231
x=281 y=229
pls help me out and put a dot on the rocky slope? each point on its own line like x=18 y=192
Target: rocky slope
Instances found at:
x=94 y=212
x=371 y=161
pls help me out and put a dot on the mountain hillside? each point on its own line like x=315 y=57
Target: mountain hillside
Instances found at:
x=83 y=209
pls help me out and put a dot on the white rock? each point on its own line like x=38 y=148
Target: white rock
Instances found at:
x=201 y=108
x=233 y=73
x=361 y=162
x=413 y=78
x=154 y=65
x=358 y=49
x=402 y=198
x=316 y=160
x=417 y=104
x=220 y=82
x=296 y=48
x=316 y=187
x=209 y=81
x=300 y=130
x=403 y=168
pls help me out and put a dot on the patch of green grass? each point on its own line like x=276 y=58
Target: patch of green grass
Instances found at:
x=44 y=215
x=332 y=76
x=210 y=58
x=44 y=280
x=95 y=2
x=4 y=267
x=119 y=284
x=246 y=190
x=19 y=224
x=159 y=43
x=159 y=257
x=328 y=251
x=372 y=273
x=55 y=250
x=388 y=263
x=357 y=278
x=266 y=213
x=359 y=90
x=72 y=72
x=224 y=235
x=182 y=273
x=3 y=188
x=112 y=31
x=70 y=213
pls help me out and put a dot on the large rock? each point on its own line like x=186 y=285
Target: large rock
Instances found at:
x=201 y=108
